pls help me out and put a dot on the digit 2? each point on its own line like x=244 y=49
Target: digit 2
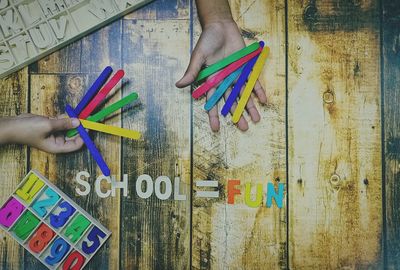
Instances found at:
x=10 y=212
x=40 y=206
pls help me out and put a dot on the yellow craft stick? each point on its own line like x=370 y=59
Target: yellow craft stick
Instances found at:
x=131 y=134
x=250 y=84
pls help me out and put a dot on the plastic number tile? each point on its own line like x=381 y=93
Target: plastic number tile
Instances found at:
x=41 y=238
x=30 y=188
x=25 y=225
x=45 y=202
x=60 y=216
x=10 y=212
x=76 y=228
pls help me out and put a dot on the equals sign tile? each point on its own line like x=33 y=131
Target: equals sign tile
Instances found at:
x=206 y=184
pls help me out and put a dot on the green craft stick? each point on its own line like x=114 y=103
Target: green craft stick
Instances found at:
x=106 y=111
x=227 y=61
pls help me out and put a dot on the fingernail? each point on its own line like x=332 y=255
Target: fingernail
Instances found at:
x=75 y=122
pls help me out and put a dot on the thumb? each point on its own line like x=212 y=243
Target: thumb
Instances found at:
x=63 y=124
x=196 y=62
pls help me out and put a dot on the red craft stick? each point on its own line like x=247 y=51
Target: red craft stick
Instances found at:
x=214 y=80
x=101 y=95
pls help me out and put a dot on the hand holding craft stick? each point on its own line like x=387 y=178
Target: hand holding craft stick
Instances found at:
x=213 y=81
x=89 y=143
x=101 y=115
x=40 y=132
x=250 y=84
x=238 y=86
x=220 y=38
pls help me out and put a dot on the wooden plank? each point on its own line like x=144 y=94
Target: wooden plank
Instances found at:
x=61 y=61
x=335 y=200
x=49 y=95
x=155 y=234
x=227 y=236
x=391 y=80
x=13 y=159
x=162 y=10
x=102 y=48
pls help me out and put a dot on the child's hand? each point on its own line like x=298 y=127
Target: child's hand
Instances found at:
x=43 y=133
x=218 y=40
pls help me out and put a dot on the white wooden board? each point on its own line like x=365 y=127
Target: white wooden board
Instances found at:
x=32 y=29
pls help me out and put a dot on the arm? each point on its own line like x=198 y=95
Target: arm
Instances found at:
x=39 y=132
x=220 y=37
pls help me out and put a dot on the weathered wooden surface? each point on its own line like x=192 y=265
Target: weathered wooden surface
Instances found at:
x=334 y=138
x=391 y=126
x=49 y=95
x=13 y=159
x=237 y=236
x=332 y=104
x=155 y=234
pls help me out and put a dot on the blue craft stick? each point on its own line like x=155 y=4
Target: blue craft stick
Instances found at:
x=89 y=143
x=100 y=81
x=222 y=89
x=239 y=84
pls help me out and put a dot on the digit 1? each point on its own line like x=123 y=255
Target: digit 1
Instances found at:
x=41 y=238
x=94 y=236
x=25 y=225
x=10 y=212
x=62 y=218
x=32 y=186
x=40 y=205
x=74 y=261
x=75 y=230
x=58 y=250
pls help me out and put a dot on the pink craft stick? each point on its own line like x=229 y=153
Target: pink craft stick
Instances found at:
x=102 y=94
x=214 y=80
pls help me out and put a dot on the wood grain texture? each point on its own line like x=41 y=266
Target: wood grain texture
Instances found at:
x=13 y=160
x=391 y=82
x=49 y=95
x=155 y=234
x=162 y=10
x=335 y=196
x=237 y=236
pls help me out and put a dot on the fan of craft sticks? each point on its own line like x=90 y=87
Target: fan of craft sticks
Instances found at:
x=90 y=101
x=242 y=66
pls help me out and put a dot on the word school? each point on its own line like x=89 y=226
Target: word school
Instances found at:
x=163 y=189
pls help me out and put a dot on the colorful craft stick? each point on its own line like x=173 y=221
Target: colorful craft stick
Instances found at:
x=250 y=85
x=131 y=134
x=214 y=80
x=102 y=94
x=100 y=81
x=106 y=111
x=221 y=90
x=227 y=61
x=239 y=84
x=89 y=143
